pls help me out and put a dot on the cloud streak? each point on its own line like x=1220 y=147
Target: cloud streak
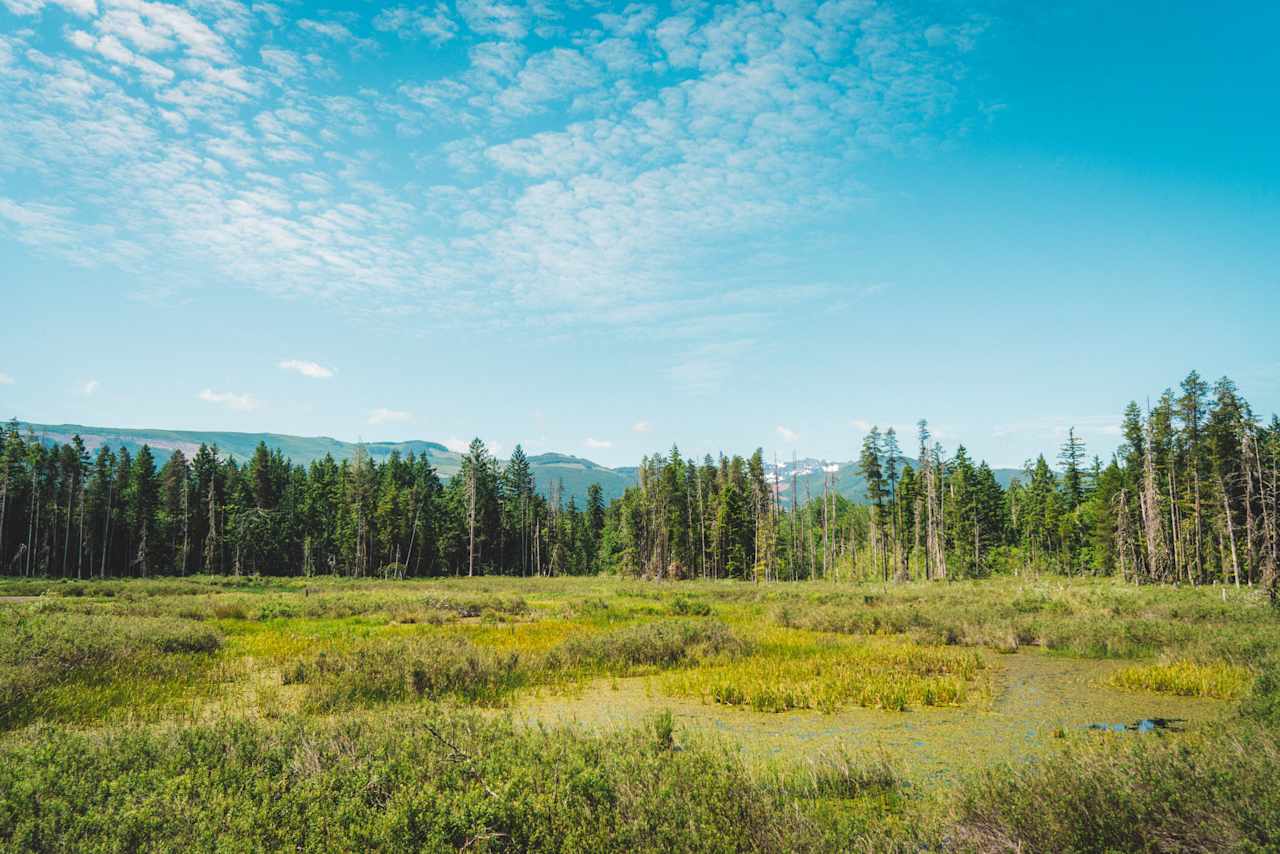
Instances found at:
x=231 y=400
x=382 y=415
x=312 y=370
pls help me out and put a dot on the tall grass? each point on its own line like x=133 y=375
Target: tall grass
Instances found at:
x=396 y=670
x=647 y=646
x=1186 y=679
x=432 y=667
x=77 y=667
x=791 y=673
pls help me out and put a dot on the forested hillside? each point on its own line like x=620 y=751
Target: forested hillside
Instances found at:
x=1190 y=496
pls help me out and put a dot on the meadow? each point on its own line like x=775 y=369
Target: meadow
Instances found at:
x=594 y=714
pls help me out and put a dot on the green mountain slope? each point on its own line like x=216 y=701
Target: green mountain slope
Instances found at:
x=549 y=470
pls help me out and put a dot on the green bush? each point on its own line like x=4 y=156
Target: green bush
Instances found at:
x=398 y=670
x=1110 y=793
x=659 y=644
x=420 y=782
x=685 y=606
x=1263 y=702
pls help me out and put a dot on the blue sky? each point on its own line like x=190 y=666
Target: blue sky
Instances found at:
x=602 y=228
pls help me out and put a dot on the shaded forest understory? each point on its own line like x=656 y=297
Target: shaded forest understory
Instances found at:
x=1190 y=496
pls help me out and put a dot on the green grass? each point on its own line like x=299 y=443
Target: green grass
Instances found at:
x=427 y=781
x=1114 y=793
x=254 y=713
x=405 y=668
x=71 y=667
x=798 y=671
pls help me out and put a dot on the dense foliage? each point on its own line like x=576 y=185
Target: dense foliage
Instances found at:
x=1191 y=495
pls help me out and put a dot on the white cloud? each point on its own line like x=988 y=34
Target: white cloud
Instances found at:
x=1052 y=428
x=89 y=387
x=508 y=20
x=434 y=25
x=6 y=379
x=787 y=434
x=389 y=416
x=861 y=424
x=598 y=443
x=231 y=400
x=642 y=427
x=307 y=369
x=160 y=139
x=458 y=446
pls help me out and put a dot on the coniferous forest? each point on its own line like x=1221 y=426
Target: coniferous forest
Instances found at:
x=1190 y=496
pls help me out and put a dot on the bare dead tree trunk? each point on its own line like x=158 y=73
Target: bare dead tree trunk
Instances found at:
x=106 y=530
x=1231 y=531
x=825 y=525
x=186 y=521
x=1151 y=518
x=31 y=517
x=80 y=545
x=471 y=523
x=66 y=534
x=1251 y=535
x=211 y=549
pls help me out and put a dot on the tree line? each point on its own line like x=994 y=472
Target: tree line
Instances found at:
x=1189 y=496
x=66 y=513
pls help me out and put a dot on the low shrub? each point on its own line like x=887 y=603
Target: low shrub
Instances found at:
x=656 y=645
x=426 y=781
x=1263 y=702
x=685 y=606
x=398 y=670
x=1121 y=793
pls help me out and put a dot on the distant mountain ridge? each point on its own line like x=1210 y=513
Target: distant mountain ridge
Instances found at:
x=573 y=475
x=809 y=475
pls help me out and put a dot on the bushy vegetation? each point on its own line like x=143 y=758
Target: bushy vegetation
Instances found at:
x=398 y=669
x=387 y=670
x=1215 y=793
x=648 y=645
x=66 y=666
x=427 y=781
x=352 y=713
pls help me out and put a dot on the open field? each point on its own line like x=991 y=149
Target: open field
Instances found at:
x=598 y=713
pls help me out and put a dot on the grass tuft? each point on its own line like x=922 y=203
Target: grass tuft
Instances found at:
x=1186 y=679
